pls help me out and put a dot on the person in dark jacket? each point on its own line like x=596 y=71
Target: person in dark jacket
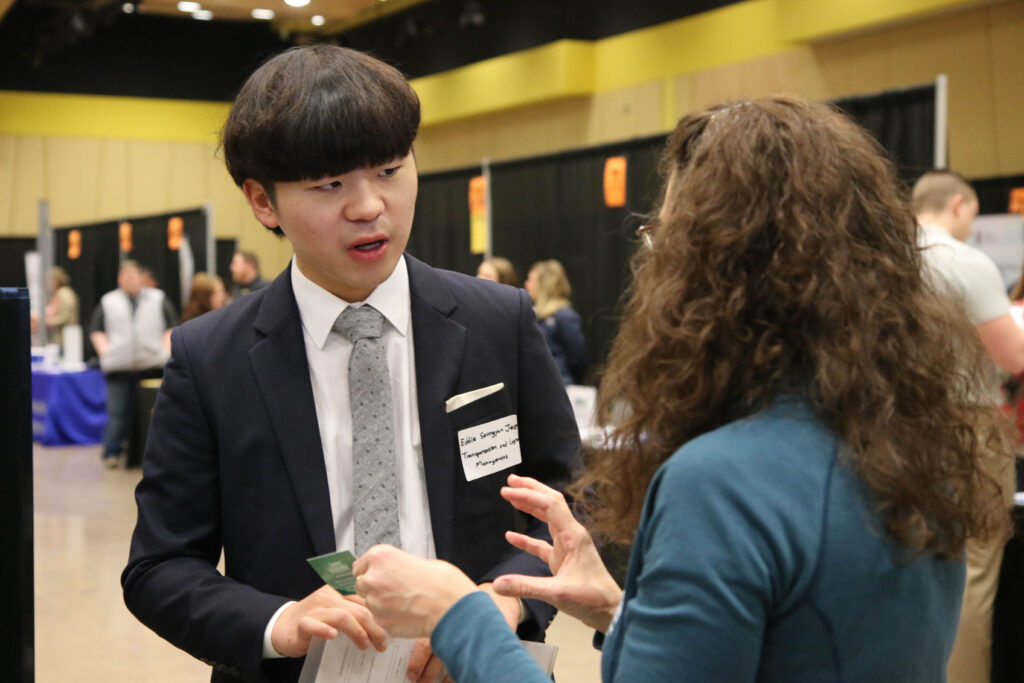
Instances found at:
x=562 y=326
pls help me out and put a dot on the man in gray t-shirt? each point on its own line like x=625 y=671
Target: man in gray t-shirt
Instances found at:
x=945 y=206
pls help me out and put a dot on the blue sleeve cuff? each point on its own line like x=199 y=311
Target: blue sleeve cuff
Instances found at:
x=475 y=644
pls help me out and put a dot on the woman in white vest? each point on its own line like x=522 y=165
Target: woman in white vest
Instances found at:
x=131 y=332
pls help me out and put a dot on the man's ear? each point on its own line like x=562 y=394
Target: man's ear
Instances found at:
x=260 y=202
x=956 y=203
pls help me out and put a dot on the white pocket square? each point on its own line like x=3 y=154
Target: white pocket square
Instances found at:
x=459 y=400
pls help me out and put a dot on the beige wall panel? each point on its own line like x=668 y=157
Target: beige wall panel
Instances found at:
x=226 y=199
x=1007 y=44
x=854 y=66
x=794 y=73
x=790 y=73
x=149 y=177
x=189 y=166
x=959 y=46
x=71 y=178
x=29 y=186
x=504 y=135
x=635 y=111
x=8 y=144
x=682 y=95
x=112 y=195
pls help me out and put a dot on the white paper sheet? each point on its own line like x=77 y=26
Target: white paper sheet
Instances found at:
x=340 y=661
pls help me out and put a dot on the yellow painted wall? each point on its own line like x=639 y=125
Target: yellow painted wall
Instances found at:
x=99 y=158
x=981 y=49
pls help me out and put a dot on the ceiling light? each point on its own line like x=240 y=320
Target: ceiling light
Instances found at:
x=127 y=8
x=202 y=15
x=318 y=20
x=296 y=3
x=189 y=7
x=267 y=14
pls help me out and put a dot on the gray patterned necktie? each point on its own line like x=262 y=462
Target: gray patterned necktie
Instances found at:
x=374 y=467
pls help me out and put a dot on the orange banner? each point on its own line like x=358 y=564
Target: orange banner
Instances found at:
x=478 y=215
x=175 y=231
x=615 y=182
x=125 y=232
x=1017 y=200
x=74 y=244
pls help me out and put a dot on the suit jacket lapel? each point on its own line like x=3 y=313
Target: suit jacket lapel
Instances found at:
x=282 y=372
x=439 y=344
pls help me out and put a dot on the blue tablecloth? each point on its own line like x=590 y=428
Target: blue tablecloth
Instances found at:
x=68 y=407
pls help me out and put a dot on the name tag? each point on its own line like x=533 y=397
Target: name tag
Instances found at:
x=490 y=447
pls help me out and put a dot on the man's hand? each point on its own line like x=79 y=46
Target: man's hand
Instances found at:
x=323 y=614
x=580 y=585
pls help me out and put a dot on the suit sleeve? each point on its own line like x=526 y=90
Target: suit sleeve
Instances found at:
x=550 y=445
x=171 y=582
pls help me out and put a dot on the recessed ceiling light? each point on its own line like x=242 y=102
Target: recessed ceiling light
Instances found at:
x=127 y=8
x=318 y=20
x=202 y=15
x=267 y=14
x=296 y=3
x=189 y=7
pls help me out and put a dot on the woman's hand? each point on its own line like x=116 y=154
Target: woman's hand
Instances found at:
x=407 y=594
x=581 y=586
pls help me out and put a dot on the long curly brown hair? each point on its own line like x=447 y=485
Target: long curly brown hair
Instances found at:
x=787 y=262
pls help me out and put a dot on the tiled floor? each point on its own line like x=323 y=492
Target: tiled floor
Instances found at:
x=84 y=516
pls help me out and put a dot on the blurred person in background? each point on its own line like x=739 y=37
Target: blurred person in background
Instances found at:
x=945 y=205
x=208 y=294
x=804 y=456
x=62 y=309
x=562 y=326
x=131 y=333
x=498 y=269
x=245 y=273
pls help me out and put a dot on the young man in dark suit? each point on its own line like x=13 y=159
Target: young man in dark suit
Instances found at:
x=257 y=444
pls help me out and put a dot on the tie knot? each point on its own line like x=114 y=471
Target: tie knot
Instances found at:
x=364 y=322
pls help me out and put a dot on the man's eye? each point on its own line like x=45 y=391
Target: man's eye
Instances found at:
x=330 y=186
x=388 y=172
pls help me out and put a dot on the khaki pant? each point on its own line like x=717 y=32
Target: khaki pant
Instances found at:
x=971 y=660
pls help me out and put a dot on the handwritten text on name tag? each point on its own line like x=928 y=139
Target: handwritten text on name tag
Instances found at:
x=490 y=447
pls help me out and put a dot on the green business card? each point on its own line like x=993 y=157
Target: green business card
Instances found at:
x=336 y=570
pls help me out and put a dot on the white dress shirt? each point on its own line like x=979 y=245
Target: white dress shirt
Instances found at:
x=327 y=353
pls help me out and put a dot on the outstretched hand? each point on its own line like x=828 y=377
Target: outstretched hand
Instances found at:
x=580 y=585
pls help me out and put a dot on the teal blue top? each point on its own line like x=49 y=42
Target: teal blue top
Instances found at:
x=759 y=557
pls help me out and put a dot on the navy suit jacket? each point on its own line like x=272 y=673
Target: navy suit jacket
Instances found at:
x=234 y=462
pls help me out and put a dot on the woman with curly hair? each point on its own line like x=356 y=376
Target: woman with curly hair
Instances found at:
x=801 y=447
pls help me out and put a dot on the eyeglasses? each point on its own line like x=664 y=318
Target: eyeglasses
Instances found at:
x=646 y=232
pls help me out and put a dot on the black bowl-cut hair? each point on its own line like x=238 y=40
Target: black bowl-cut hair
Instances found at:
x=318 y=111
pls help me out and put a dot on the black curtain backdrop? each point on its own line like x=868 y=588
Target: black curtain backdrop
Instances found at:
x=994 y=193
x=904 y=122
x=12 y=260
x=225 y=252
x=553 y=207
x=548 y=207
x=94 y=272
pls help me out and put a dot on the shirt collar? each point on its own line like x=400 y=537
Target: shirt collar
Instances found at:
x=935 y=231
x=318 y=308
